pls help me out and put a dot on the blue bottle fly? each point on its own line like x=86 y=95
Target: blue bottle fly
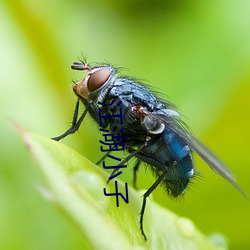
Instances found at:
x=153 y=131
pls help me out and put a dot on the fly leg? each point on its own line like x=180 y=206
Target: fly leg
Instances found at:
x=136 y=167
x=103 y=158
x=75 y=124
x=132 y=154
x=145 y=196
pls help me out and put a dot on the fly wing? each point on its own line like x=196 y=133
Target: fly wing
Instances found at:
x=175 y=124
x=208 y=156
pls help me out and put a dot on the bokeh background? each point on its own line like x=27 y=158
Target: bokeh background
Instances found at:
x=196 y=52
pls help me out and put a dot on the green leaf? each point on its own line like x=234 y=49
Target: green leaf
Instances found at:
x=75 y=186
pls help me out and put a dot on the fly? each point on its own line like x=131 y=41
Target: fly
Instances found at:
x=153 y=131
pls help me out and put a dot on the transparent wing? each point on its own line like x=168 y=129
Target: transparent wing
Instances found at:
x=175 y=124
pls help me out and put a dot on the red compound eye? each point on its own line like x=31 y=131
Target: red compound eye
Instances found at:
x=97 y=79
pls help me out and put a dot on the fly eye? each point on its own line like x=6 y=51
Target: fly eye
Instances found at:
x=97 y=79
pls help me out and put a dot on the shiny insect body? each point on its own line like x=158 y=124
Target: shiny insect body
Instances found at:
x=152 y=128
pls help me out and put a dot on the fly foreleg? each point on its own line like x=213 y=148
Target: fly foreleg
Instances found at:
x=75 y=123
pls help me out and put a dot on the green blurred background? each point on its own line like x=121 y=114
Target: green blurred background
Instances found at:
x=195 y=52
